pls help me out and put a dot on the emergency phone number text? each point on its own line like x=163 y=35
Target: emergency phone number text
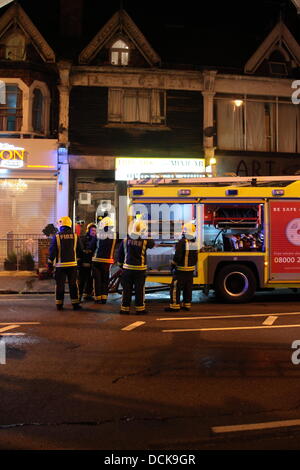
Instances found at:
x=286 y=259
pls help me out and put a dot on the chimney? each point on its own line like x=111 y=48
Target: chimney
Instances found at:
x=71 y=18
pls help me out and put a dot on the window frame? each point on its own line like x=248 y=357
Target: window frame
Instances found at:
x=121 y=52
x=155 y=120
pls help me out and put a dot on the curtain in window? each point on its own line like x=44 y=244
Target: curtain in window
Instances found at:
x=137 y=106
x=255 y=126
x=115 y=105
x=37 y=111
x=287 y=128
x=230 y=125
x=157 y=107
x=19 y=110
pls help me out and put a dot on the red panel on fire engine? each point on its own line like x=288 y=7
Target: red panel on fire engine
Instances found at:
x=285 y=237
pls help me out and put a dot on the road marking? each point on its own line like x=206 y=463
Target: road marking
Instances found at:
x=218 y=317
x=134 y=325
x=13 y=299
x=11 y=327
x=256 y=426
x=184 y=330
x=270 y=320
x=21 y=323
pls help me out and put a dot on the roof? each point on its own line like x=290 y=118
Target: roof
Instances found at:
x=222 y=35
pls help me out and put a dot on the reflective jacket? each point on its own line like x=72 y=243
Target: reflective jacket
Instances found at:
x=65 y=248
x=186 y=255
x=132 y=253
x=105 y=249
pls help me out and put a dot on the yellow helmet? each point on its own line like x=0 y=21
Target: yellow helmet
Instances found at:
x=90 y=226
x=65 y=222
x=139 y=227
x=189 y=229
x=106 y=222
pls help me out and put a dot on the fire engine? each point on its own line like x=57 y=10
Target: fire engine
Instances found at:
x=247 y=230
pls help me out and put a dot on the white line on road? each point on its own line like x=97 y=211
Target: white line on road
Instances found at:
x=220 y=317
x=134 y=325
x=6 y=299
x=12 y=334
x=270 y=320
x=256 y=426
x=21 y=323
x=184 y=330
x=10 y=327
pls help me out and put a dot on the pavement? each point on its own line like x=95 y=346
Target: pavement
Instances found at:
x=24 y=282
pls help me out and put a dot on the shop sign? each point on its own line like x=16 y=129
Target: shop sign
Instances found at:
x=11 y=157
x=134 y=168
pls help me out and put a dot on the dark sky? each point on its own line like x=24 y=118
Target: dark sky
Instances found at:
x=203 y=32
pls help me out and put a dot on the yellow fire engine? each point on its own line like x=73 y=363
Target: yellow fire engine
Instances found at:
x=247 y=230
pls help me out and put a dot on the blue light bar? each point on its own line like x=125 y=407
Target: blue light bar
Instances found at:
x=278 y=192
x=137 y=192
x=184 y=192
x=231 y=192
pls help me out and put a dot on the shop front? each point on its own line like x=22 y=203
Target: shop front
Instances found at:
x=30 y=192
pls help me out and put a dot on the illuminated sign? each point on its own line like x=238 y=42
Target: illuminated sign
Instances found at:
x=11 y=157
x=134 y=168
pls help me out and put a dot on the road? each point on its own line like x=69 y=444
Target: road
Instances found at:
x=219 y=377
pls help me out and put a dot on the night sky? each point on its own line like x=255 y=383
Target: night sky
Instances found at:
x=203 y=33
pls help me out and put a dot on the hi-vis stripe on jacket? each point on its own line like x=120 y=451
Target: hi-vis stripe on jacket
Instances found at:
x=132 y=253
x=105 y=250
x=64 y=248
x=186 y=255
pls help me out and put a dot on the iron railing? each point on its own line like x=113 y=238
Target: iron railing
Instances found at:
x=16 y=248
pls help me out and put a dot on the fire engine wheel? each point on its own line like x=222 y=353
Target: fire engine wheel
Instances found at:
x=235 y=283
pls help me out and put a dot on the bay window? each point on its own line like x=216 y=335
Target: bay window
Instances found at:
x=257 y=124
x=11 y=108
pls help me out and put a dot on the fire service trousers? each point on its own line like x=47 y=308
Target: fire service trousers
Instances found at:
x=182 y=282
x=61 y=274
x=133 y=279
x=101 y=280
x=85 y=281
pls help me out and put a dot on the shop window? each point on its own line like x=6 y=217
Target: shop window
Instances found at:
x=119 y=53
x=11 y=109
x=136 y=106
x=37 y=111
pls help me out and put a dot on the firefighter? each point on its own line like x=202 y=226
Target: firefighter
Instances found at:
x=132 y=259
x=103 y=259
x=89 y=242
x=64 y=249
x=182 y=267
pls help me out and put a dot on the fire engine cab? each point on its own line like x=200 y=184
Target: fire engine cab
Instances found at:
x=247 y=230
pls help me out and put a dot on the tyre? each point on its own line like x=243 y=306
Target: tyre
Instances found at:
x=235 y=283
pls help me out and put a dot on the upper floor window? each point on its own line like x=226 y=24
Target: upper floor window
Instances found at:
x=119 y=53
x=258 y=124
x=130 y=105
x=11 y=109
x=15 y=47
x=37 y=110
